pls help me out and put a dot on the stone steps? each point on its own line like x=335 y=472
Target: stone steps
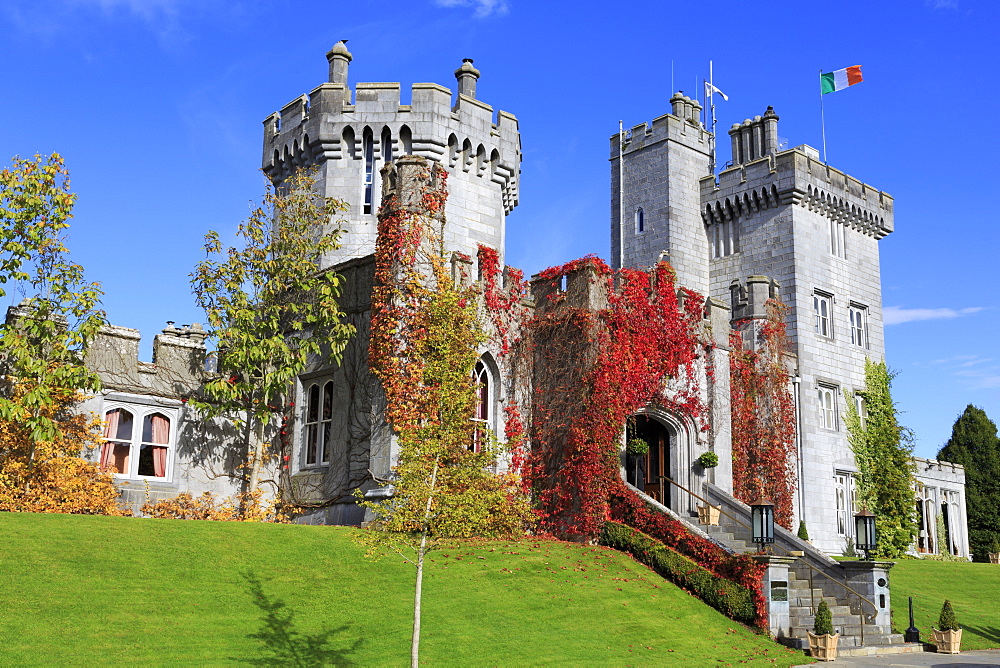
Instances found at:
x=856 y=639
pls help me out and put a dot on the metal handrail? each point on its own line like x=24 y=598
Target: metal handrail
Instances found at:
x=811 y=568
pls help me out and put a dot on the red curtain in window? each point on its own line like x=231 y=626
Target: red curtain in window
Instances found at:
x=110 y=431
x=160 y=462
x=161 y=434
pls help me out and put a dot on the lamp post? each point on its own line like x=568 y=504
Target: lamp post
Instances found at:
x=762 y=521
x=864 y=529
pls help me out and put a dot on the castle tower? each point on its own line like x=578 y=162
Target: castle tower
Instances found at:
x=349 y=143
x=814 y=231
x=662 y=165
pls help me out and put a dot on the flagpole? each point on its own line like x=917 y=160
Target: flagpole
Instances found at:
x=621 y=195
x=822 y=113
x=711 y=100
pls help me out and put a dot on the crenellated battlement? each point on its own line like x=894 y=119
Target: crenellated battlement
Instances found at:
x=682 y=125
x=459 y=131
x=795 y=176
x=177 y=369
x=349 y=133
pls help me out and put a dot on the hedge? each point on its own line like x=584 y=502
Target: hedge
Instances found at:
x=733 y=600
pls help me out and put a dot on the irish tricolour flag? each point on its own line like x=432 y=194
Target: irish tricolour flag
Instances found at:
x=841 y=79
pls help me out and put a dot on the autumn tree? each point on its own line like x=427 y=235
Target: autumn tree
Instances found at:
x=974 y=445
x=425 y=336
x=271 y=310
x=42 y=346
x=883 y=450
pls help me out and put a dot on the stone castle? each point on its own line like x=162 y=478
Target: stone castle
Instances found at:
x=774 y=222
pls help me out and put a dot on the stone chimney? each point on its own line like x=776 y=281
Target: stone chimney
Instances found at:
x=467 y=76
x=339 y=58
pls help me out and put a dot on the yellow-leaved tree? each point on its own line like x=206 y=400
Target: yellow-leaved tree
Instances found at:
x=42 y=344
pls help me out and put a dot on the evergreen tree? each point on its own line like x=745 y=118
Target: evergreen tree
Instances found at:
x=884 y=453
x=974 y=445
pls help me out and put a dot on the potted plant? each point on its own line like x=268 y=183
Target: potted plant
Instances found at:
x=636 y=446
x=822 y=639
x=948 y=638
x=994 y=552
x=707 y=460
x=803 y=533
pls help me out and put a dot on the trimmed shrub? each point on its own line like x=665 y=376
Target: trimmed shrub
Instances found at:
x=733 y=600
x=946 y=622
x=803 y=533
x=824 y=620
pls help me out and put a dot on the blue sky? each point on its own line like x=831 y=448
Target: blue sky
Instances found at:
x=157 y=107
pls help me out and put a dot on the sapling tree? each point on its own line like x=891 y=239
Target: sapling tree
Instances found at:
x=270 y=311
x=425 y=336
x=42 y=347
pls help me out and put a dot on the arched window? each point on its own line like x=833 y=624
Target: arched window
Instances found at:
x=318 y=435
x=406 y=140
x=129 y=452
x=349 y=150
x=368 y=148
x=640 y=222
x=386 y=145
x=483 y=416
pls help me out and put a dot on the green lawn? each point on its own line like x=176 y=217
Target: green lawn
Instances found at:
x=104 y=590
x=974 y=591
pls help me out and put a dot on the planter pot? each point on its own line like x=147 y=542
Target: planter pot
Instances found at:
x=994 y=557
x=948 y=642
x=709 y=514
x=823 y=647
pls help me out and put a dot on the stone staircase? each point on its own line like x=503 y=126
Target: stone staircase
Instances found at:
x=812 y=576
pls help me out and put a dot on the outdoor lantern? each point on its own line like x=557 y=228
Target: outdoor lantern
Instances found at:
x=864 y=529
x=762 y=519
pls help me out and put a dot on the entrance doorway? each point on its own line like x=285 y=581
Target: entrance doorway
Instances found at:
x=648 y=472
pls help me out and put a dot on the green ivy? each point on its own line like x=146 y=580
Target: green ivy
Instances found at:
x=883 y=450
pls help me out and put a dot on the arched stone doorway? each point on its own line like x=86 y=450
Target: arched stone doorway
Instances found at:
x=649 y=472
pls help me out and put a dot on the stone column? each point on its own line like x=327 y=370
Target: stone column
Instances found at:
x=871 y=579
x=775 y=588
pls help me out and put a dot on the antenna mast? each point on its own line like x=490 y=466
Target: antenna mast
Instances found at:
x=621 y=196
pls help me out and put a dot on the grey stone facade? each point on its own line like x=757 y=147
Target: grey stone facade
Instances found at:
x=201 y=455
x=779 y=223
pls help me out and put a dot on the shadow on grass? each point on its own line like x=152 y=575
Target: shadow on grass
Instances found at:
x=284 y=645
x=990 y=633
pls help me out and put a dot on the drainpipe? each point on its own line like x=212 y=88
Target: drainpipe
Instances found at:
x=797 y=397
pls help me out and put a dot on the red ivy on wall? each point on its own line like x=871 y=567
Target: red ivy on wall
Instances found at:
x=596 y=362
x=763 y=414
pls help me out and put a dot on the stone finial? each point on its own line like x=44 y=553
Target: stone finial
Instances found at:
x=339 y=58
x=467 y=76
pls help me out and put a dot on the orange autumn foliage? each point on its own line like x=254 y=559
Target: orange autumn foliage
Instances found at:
x=206 y=506
x=51 y=476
